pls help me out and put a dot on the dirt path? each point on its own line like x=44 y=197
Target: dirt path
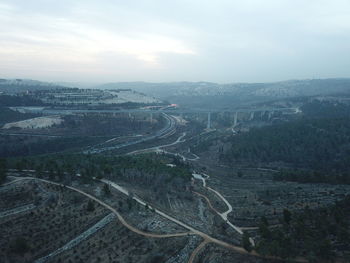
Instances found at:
x=208 y=201
x=224 y=214
x=120 y=218
x=192 y=231
x=196 y=251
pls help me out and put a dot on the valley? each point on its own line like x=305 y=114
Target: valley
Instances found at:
x=152 y=182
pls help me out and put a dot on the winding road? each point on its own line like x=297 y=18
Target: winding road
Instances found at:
x=192 y=231
x=196 y=251
x=158 y=149
x=168 y=130
x=224 y=214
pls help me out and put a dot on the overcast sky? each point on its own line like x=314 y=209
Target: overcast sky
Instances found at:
x=161 y=40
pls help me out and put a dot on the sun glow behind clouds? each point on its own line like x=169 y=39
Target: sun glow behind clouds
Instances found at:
x=63 y=41
x=159 y=40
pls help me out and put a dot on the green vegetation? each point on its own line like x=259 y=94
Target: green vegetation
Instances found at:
x=75 y=132
x=317 y=145
x=8 y=115
x=246 y=243
x=146 y=170
x=90 y=206
x=19 y=100
x=20 y=246
x=320 y=144
x=307 y=176
x=318 y=109
x=2 y=171
x=12 y=146
x=314 y=234
x=106 y=190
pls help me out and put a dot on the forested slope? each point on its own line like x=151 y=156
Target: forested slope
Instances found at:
x=318 y=144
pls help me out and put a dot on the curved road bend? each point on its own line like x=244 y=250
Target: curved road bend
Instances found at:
x=196 y=251
x=229 y=210
x=120 y=218
x=157 y=148
x=191 y=229
x=208 y=201
x=168 y=130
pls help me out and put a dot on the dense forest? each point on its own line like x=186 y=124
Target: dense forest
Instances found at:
x=322 y=144
x=3 y=174
x=8 y=115
x=144 y=170
x=313 y=234
x=318 y=142
x=23 y=145
x=108 y=124
x=309 y=176
x=325 y=109
x=19 y=100
x=74 y=133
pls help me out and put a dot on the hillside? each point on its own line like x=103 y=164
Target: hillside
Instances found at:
x=12 y=86
x=20 y=92
x=316 y=145
x=203 y=94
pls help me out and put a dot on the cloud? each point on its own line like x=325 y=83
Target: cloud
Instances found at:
x=243 y=40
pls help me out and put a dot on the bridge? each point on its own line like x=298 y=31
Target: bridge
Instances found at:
x=263 y=111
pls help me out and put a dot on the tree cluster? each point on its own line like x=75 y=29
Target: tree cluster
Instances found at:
x=315 y=234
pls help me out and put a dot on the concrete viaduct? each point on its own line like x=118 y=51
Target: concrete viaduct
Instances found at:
x=253 y=112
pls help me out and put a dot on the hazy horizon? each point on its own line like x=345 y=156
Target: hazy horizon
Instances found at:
x=163 y=41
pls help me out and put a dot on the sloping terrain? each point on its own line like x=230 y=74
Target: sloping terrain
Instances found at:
x=204 y=94
x=35 y=123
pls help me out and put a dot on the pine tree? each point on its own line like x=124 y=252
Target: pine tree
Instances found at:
x=90 y=206
x=246 y=242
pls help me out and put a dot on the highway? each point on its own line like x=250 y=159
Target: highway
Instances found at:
x=52 y=111
x=168 y=130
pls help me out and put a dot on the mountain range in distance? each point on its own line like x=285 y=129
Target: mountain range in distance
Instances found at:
x=199 y=94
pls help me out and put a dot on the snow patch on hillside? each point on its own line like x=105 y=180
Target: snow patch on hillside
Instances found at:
x=131 y=96
x=35 y=123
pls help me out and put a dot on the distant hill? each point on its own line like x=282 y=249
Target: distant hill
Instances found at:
x=12 y=86
x=203 y=94
x=23 y=92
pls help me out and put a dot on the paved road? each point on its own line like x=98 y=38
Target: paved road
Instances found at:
x=158 y=148
x=122 y=220
x=48 y=111
x=168 y=130
x=229 y=210
x=223 y=215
